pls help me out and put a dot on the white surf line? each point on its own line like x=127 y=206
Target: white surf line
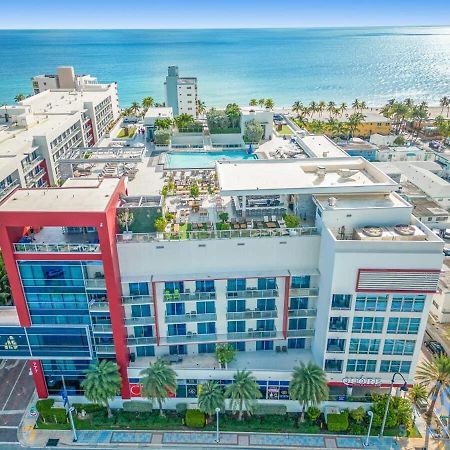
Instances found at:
x=14 y=387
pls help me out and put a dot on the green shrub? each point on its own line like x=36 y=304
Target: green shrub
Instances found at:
x=137 y=406
x=88 y=407
x=358 y=414
x=195 y=418
x=269 y=410
x=43 y=406
x=181 y=408
x=313 y=413
x=223 y=226
x=130 y=418
x=357 y=428
x=59 y=415
x=337 y=422
x=291 y=221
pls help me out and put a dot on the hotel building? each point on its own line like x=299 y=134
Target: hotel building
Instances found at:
x=350 y=288
x=181 y=93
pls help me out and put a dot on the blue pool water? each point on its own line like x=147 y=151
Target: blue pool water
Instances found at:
x=202 y=160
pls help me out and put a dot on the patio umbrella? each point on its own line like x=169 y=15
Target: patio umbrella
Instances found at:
x=250 y=149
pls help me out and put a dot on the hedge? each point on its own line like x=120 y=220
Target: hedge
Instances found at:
x=337 y=422
x=137 y=406
x=269 y=410
x=49 y=414
x=181 y=408
x=195 y=418
x=88 y=407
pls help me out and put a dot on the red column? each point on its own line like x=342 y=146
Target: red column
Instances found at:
x=39 y=379
x=155 y=309
x=106 y=233
x=287 y=286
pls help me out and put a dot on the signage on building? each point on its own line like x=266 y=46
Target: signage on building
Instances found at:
x=361 y=381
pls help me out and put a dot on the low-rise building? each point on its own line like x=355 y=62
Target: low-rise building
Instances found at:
x=401 y=153
x=319 y=146
x=153 y=114
x=359 y=147
x=263 y=116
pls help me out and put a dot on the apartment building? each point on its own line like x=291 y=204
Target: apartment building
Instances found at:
x=35 y=133
x=350 y=288
x=65 y=78
x=181 y=93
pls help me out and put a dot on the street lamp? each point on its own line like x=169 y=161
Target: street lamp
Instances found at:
x=370 y=414
x=404 y=388
x=217 y=425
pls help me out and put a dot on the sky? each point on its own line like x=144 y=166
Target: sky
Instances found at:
x=148 y=14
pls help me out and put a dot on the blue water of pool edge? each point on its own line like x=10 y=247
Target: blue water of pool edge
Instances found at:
x=203 y=160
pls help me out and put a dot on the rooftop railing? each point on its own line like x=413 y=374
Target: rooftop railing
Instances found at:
x=136 y=341
x=217 y=234
x=105 y=349
x=99 y=306
x=102 y=328
x=31 y=247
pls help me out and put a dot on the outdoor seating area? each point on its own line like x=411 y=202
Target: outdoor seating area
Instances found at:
x=180 y=182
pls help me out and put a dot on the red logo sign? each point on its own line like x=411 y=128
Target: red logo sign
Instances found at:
x=135 y=390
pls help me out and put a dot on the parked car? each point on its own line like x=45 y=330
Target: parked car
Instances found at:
x=435 y=348
x=434 y=145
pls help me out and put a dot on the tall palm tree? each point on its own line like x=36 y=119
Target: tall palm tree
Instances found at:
x=102 y=383
x=269 y=103
x=147 y=102
x=331 y=126
x=434 y=373
x=5 y=288
x=201 y=107
x=321 y=107
x=342 y=108
x=331 y=108
x=308 y=386
x=243 y=392
x=316 y=126
x=211 y=397
x=19 y=98
x=253 y=102
x=297 y=107
x=158 y=380
x=135 y=108
x=354 y=121
x=262 y=102
x=312 y=108
x=418 y=394
x=362 y=105
x=445 y=103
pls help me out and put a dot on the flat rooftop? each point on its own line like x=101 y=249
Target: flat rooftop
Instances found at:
x=392 y=200
x=77 y=195
x=429 y=208
x=290 y=176
x=158 y=112
x=319 y=146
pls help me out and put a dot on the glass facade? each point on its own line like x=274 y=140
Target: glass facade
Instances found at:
x=371 y=303
x=341 y=301
x=367 y=324
x=300 y=282
x=403 y=325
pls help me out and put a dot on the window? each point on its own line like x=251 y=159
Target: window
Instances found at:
x=403 y=325
x=395 y=366
x=296 y=343
x=265 y=304
x=178 y=349
x=338 y=324
x=238 y=346
x=264 y=345
x=236 y=284
x=138 y=288
x=206 y=348
x=206 y=328
x=367 y=324
x=398 y=347
x=298 y=303
x=140 y=311
x=236 y=305
x=206 y=307
x=371 y=303
x=333 y=365
x=236 y=326
x=204 y=286
x=297 y=324
x=145 y=350
x=336 y=345
x=144 y=331
x=265 y=325
x=364 y=346
x=172 y=287
x=408 y=303
x=176 y=329
x=300 y=282
x=175 y=309
x=361 y=365
x=267 y=283
x=341 y=301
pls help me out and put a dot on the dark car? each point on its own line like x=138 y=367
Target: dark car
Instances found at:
x=435 y=347
x=434 y=145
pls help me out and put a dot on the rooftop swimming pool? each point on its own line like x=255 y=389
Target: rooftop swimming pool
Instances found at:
x=202 y=160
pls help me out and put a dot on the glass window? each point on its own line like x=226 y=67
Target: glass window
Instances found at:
x=138 y=288
x=398 y=347
x=235 y=326
x=361 y=365
x=265 y=325
x=236 y=284
x=371 y=302
x=265 y=304
x=364 y=346
x=206 y=307
x=300 y=282
x=236 y=305
x=205 y=286
x=267 y=283
x=178 y=349
x=336 y=345
x=408 y=303
x=341 y=301
x=172 y=287
x=296 y=303
x=140 y=311
x=238 y=346
x=177 y=329
x=403 y=325
x=338 y=324
x=296 y=343
x=264 y=345
x=395 y=366
x=206 y=328
x=297 y=324
x=367 y=324
x=206 y=348
x=145 y=350
x=175 y=309
x=333 y=365
x=143 y=331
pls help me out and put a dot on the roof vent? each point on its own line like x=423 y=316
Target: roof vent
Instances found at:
x=332 y=202
x=321 y=171
x=325 y=154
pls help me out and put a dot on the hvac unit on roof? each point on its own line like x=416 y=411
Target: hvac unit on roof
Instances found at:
x=347 y=173
x=321 y=171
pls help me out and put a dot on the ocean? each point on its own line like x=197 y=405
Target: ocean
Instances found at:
x=338 y=64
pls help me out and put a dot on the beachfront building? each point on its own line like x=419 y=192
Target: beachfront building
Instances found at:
x=349 y=288
x=35 y=133
x=263 y=116
x=65 y=78
x=401 y=153
x=181 y=93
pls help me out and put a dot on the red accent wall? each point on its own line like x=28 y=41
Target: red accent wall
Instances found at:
x=39 y=379
x=155 y=308
x=287 y=285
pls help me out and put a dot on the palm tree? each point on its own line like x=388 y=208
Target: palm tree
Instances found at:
x=418 y=394
x=331 y=108
x=297 y=107
x=445 y=103
x=210 y=398
x=269 y=103
x=362 y=105
x=262 y=102
x=253 y=102
x=437 y=374
x=5 y=288
x=243 y=392
x=342 y=108
x=201 y=107
x=321 y=107
x=135 y=108
x=312 y=108
x=147 y=102
x=159 y=379
x=355 y=104
x=331 y=126
x=102 y=383
x=19 y=97
x=308 y=386
x=316 y=126
x=354 y=121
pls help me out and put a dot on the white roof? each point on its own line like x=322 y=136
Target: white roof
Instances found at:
x=254 y=177
x=320 y=147
x=159 y=112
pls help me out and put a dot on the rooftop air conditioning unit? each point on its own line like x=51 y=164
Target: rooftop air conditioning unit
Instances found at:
x=321 y=171
x=332 y=202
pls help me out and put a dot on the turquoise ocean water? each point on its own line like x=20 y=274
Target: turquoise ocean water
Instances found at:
x=338 y=64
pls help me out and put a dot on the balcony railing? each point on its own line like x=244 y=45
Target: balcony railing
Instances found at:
x=186 y=296
x=303 y=292
x=218 y=234
x=136 y=300
x=140 y=321
x=133 y=341
x=30 y=165
x=102 y=328
x=251 y=334
x=32 y=247
x=105 y=349
x=191 y=317
x=35 y=177
x=302 y=312
x=190 y=337
x=253 y=293
x=252 y=314
x=5 y=190
x=97 y=283
x=99 y=306
x=301 y=333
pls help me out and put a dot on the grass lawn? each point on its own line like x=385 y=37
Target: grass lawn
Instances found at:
x=285 y=131
x=131 y=133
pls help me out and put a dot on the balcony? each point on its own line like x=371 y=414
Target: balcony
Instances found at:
x=253 y=293
x=309 y=332
x=140 y=321
x=303 y=292
x=31 y=179
x=5 y=190
x=32 y=164
x=95 y=283
x=105 y=349
x=302 y=312
x=190 y=337
x=191 y=317
x=136 y=300
x=251 y=334
x=186 y=296
x=102 y=328
x=136 y=341
x=252 y=314
x=31 y=247
x=99 y=306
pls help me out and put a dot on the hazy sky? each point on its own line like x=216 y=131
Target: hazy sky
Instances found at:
x=220 y=14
